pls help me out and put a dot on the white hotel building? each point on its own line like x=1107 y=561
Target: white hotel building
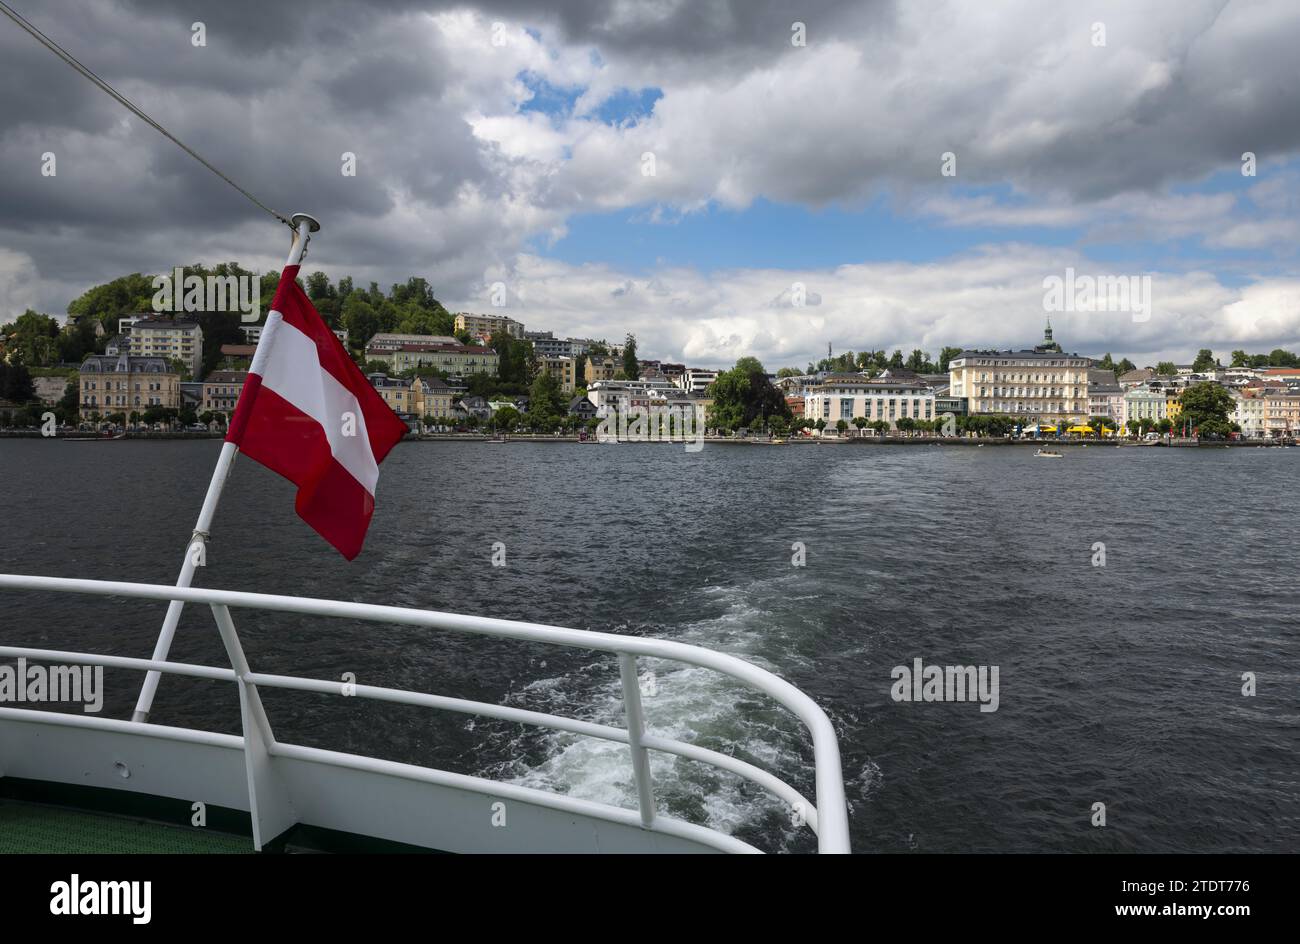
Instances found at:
x=846 y=396
x=1044 y=384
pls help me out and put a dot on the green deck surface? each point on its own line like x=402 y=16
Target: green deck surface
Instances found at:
x=31 y=828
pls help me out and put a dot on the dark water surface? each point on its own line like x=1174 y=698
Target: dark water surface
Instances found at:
x=1118 y=684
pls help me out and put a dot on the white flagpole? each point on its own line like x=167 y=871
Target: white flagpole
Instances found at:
x=305 y=226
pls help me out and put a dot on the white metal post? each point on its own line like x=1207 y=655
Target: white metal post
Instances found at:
x=306 y=225
x=635 y=729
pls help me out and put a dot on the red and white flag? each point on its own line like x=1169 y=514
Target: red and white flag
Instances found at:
x=308 y=413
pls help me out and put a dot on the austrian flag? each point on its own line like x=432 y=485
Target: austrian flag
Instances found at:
x=308 y=413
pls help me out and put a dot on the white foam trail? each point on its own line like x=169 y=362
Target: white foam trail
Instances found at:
x=693 y=705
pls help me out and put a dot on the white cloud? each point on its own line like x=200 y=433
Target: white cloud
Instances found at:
x=990 y=298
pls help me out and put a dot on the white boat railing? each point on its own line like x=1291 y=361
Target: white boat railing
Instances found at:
x=828 y=818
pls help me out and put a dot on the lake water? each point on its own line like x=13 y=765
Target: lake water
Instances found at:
x=1119 y=684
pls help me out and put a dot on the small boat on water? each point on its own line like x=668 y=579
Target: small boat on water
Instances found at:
x=1047 y=454
x=94 y=438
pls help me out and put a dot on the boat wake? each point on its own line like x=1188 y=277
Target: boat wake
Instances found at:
x=689 y=704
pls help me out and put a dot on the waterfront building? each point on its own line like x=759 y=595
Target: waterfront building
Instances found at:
x=160 y=336
x=1248 y=413
x=484 y=326
x=471 y=405
x=126 y=384
x=628 y=394
x=432 y=397
x=847 y=396
x=1105 y=396
x=415 y=398
x=1044 y=385
x=562 y=369
x=1282 y=414
x=946 y=403
x=192 y=394
x=796 y=405
x=221 y=390
x=1143 y=403
x=582 y=408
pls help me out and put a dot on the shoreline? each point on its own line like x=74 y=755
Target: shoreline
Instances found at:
x=712 y=440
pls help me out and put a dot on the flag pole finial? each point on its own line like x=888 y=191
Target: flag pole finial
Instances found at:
x=304 y=224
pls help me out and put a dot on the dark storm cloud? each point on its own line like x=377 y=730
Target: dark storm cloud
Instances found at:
x=883 y=88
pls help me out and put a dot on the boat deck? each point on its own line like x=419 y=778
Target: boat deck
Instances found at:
x=35 y=828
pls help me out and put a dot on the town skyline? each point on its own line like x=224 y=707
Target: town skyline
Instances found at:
x=612 y=168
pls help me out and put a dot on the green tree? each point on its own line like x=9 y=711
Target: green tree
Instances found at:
x=946 y=357
x=33 y=339
x=743 y=397
x=631 y=367
x=546 y=403
x=1167 y=369
x=16 y=383
x=69 y=405
x=841 y=425
x=506 y=418
x=1204 y=361
x=1206 y=407
x=896 y=360
x=106 y=303
x=1124 y=366
x=360 y=320
x=1240 y=359
x=1100 y=422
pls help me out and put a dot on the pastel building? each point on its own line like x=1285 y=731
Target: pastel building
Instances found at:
x=1042 y=385
x=126 y=384
x=848 y=396
x=1144 y=403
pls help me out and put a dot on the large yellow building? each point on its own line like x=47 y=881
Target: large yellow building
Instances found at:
x=484 y=326
x=1042 y=385
x=562 y=369
x=421 y=397
x=601 y=367
x=160 y=336
x=1282 y=414
x=453 y=359
x=127 y=384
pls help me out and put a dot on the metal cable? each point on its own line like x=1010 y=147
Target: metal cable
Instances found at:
x=123 y=100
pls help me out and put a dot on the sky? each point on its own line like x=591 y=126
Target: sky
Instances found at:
x=721 y=179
